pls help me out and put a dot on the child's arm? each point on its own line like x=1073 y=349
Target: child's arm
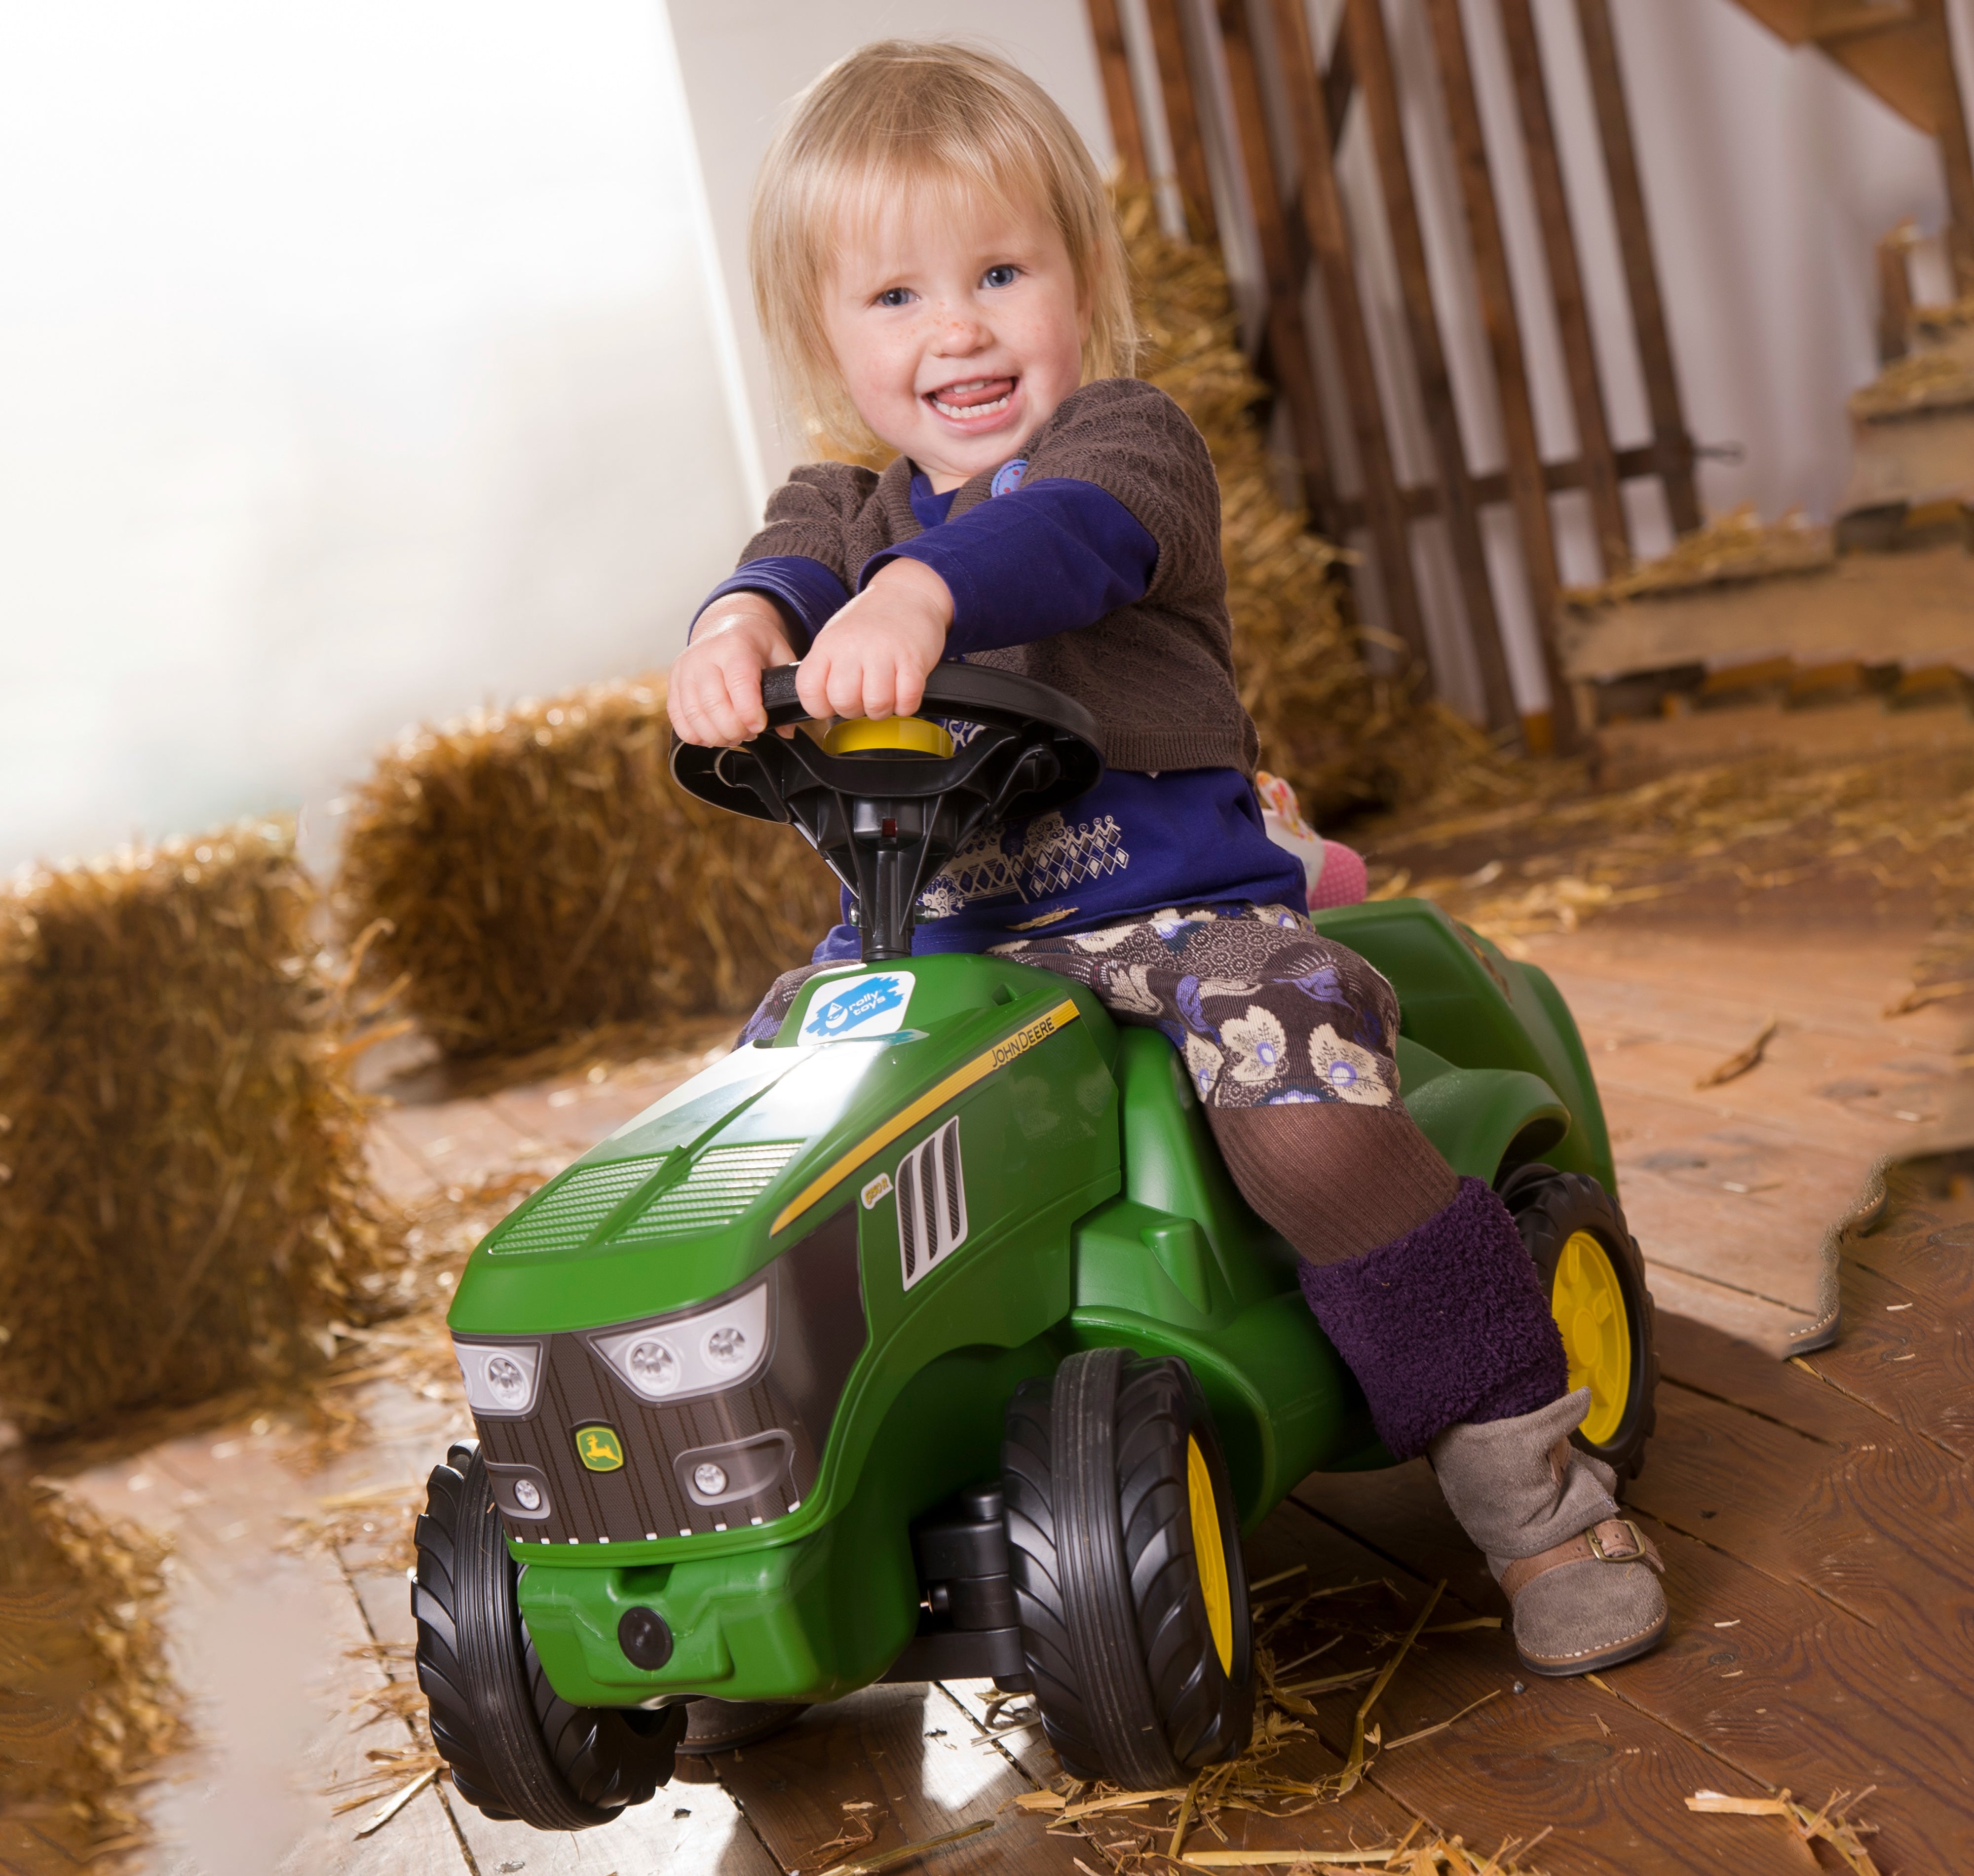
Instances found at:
x=790 y=581
x=873 y=658
x=1116 y=502
x=713 y=696
x=1050 y=556
x=871 y=662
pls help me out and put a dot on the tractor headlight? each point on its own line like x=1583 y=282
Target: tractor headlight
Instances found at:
x=500 y=1379
x=652 y=1367
x=726 y=1348
x=677 y=1357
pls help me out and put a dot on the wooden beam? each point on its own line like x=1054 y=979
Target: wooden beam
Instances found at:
x=1290 y=358
x=1329 y=240
x=1490 y=491
x=1895 y=293
x=1189 y=146
x=1370 y=54
x=1641 y=278
x=1339 y=86
x=1955 y=156
x=1113 y=62
x=1892 y=55
x=1526 y=486
x=1566 y=279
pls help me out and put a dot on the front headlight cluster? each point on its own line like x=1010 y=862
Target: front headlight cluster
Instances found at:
x=675 y=1358
x=500 y=1379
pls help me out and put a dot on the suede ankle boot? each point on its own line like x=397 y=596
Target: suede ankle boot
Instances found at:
x=1582 y=1582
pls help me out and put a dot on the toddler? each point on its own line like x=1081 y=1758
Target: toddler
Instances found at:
x=941 y=280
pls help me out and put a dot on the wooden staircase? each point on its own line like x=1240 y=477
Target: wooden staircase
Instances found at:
x=1900 y=51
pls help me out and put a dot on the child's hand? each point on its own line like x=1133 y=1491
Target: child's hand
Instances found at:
x=713 y=696
x=872 y=658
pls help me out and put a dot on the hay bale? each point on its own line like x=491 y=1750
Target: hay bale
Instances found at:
x=87 y=1703
x=532 y=874
x=1346 y=736
x=181 y=1194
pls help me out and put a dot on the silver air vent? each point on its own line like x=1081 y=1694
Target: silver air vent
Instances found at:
x=931 y=1203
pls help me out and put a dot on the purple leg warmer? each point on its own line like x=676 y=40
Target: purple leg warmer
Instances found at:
x=1447 y=1324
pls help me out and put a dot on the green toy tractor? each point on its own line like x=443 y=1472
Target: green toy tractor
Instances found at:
x=930 y=1338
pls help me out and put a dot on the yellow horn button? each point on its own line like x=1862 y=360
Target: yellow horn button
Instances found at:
x=1589 y=1304
x=1208 y=1558
x=887 y=736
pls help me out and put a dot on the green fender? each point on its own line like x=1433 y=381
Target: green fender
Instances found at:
x=1480 y=1117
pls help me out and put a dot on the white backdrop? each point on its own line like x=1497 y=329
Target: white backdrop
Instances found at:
x=359 y=363
x=356 y=364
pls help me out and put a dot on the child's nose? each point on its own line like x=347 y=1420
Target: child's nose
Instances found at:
x=959 y=331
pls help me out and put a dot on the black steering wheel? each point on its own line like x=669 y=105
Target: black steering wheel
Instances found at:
x=887 y=802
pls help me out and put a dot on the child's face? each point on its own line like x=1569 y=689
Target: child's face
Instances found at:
x=956 y=341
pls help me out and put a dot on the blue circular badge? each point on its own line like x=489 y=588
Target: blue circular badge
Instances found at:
x=1008 y=477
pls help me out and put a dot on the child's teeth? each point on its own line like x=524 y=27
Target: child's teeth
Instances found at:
x=969 y=410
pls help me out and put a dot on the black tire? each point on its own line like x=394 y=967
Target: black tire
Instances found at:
x=1550 y=1209
x=1130 y=1676
x=516 y=1748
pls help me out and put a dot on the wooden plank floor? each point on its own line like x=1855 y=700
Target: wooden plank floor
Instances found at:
x=1818 y=1517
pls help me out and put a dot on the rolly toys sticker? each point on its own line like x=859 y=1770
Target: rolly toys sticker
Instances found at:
x=865 y=1006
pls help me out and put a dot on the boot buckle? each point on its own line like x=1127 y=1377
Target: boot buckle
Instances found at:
x=1595 y=1538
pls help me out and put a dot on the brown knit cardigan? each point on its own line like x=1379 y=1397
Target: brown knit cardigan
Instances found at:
x=1157 y=675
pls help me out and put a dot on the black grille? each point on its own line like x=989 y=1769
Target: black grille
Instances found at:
x=816 y=1313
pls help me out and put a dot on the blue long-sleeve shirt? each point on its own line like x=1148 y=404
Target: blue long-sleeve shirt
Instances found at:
x=1045 y=558
x=1042 y=557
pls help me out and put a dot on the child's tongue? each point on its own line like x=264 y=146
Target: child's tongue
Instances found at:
x=967 y=396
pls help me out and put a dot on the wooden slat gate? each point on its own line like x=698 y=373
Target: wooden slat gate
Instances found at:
x=1256 y=66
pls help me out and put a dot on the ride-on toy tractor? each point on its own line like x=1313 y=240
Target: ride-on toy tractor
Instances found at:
x=930 y=1338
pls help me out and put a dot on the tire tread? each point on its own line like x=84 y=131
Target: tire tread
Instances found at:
x=1143 y=1699
x=515 y=1749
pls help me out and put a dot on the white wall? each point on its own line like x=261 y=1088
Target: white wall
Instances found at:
x=743 y=60
x=1770 y=175
x=356 y=365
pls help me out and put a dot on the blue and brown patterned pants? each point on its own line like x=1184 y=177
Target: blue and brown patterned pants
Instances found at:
x=1288 y=1038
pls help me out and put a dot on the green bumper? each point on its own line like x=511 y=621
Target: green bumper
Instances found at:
x=759 y=1624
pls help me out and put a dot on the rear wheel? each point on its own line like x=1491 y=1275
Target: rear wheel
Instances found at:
x=515 y=1747
x=1124 y=1554
x=1594 y=1275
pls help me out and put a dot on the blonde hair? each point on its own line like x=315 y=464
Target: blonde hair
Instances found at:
x=951 y=119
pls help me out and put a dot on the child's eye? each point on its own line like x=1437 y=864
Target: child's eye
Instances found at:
x=1001 y=276
x=895 y=296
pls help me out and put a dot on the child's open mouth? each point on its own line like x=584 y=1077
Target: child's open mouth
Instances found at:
x=979 y=397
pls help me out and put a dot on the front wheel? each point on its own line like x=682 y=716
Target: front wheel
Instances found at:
x=1124 y=1555
x=1594 y=1275
x=515 y=1747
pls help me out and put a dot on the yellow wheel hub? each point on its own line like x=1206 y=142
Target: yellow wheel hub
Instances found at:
x=1209 y=1558
x=1588 y=1305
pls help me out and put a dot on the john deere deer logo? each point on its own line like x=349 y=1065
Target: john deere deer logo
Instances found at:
x=599 y=1448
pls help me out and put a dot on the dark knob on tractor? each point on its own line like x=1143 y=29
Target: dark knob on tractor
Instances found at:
x=645 y=1637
